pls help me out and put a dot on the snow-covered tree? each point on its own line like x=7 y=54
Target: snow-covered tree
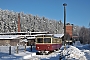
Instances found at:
x=28 y=22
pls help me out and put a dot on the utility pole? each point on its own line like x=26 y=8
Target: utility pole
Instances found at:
x=64 y=23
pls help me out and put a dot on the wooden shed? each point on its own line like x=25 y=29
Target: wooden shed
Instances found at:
x=9 y=40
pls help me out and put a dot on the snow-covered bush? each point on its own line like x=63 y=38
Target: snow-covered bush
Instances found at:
x=73 y=53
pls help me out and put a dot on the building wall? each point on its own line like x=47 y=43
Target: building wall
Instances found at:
x=31 y=42
x=8 y=42
x=69 y=29
x=14 y=42
x=4 y=42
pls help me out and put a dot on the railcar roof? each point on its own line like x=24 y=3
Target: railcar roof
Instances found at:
x=54 y=35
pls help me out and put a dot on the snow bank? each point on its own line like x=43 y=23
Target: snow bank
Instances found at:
x=5 y=49
x=73 y=53
x=29 y=56
x=77 y=43
x=33 y=56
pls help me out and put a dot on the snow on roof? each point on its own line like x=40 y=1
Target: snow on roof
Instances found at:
x=24 y=40
x=8 y=36
x=23 y=32
x=59 y=35
x=31 y=37
x=28 y=36
x=15 y=36
x=39 y=32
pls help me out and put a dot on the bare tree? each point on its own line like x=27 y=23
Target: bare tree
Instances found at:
x=84 y=35
x=68 y=36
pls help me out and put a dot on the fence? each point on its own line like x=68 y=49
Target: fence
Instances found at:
x=6 y=49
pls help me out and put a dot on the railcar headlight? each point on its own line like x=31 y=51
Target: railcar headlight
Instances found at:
x=48 y=47
x=38 y=47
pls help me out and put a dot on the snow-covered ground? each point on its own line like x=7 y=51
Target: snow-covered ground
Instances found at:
x=75 y=52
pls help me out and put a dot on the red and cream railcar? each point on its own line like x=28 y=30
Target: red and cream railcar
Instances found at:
x=48 y=42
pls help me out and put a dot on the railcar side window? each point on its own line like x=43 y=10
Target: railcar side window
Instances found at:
x=54 y=40
x=39 y=40
x=47 y=40
x=58 y=41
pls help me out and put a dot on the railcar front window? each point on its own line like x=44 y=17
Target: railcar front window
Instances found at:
x=47 y=40
x=39 y=40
